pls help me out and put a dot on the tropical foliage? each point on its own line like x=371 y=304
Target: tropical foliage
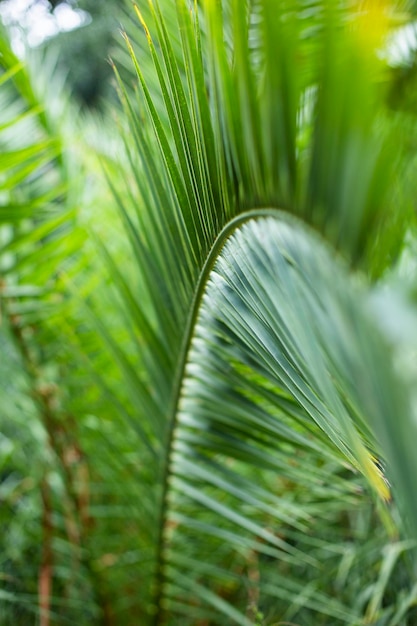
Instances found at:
x=208 y=326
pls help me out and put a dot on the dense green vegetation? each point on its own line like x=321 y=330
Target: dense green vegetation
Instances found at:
x=208 y=323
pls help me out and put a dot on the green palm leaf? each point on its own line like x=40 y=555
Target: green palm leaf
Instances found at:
x=276 y=362
x=230 y=389
x=276 y=351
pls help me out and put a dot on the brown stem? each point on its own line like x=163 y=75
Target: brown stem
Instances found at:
x=63 y=441
x=46 y=568
x=253 y=591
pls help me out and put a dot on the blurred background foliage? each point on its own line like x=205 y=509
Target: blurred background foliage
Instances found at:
x=81 y=52
x=120 y=504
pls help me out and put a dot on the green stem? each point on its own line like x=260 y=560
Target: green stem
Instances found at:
x=219 y=243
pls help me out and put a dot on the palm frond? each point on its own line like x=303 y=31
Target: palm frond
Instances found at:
x=266 y=135
x=214 y=385
x=277 y=350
